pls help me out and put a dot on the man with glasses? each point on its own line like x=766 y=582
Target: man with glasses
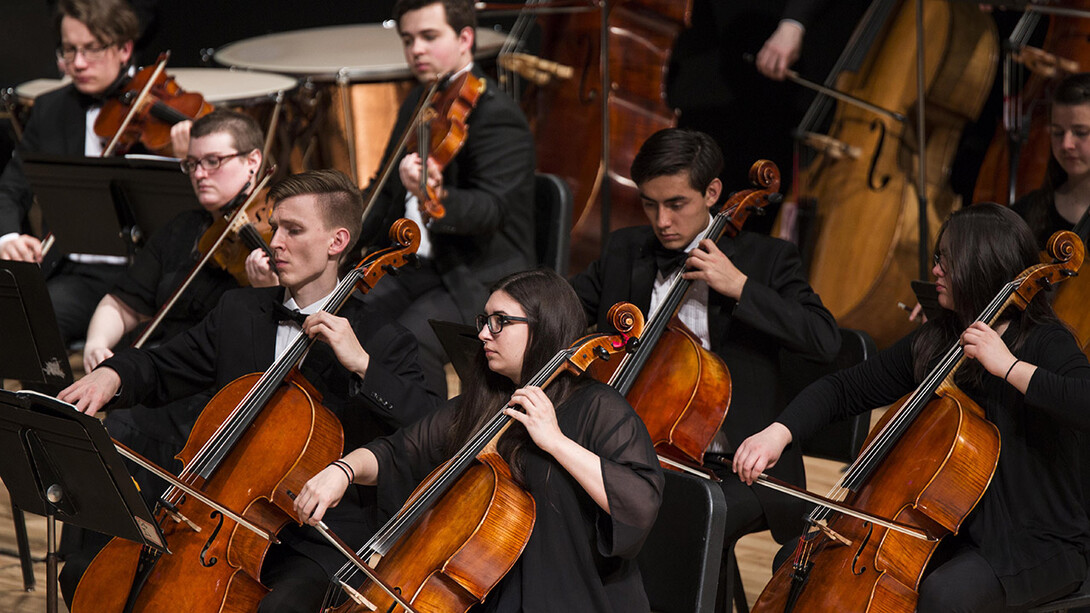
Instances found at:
x=96 y=44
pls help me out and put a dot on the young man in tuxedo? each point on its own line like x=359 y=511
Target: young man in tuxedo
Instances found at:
x=96 y=43
x=749 y=299
x=487 y=189
x=364 y=365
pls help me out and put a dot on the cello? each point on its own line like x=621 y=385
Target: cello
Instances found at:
x=926 y=464
x=867 y=239
x=467 y=524
x=680 y=390
x=257 y=440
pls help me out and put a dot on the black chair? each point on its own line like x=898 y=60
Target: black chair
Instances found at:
x=680 y=559
x=552 y=218
x=840 y=441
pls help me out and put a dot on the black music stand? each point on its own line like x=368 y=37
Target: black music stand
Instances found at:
x=34 y=352
x=62 y=464
x=107 y=206
x=461 y=344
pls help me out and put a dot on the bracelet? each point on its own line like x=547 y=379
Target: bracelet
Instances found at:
x=344 y=470
x=344 y=464
x=1016 y=361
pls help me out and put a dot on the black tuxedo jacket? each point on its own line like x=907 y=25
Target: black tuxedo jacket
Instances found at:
x=57 y=125
x=488 y=230
x=778 y=309
x=239 y=336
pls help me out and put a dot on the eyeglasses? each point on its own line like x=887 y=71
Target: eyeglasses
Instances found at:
x=497 y=321
x=208 y=162
x=91 y=53
x=940 y=260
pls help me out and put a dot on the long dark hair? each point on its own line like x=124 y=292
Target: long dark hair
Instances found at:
x=984 y=246
x=1073 y=90
x=556 y=320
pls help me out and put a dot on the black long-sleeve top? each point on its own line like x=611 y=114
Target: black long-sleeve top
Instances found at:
x=578 y=558
x=1031 y=525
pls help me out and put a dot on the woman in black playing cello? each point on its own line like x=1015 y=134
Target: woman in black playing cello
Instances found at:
x=588 y=463
x=1026 y=541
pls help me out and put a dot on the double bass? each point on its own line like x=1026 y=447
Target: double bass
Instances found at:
x=925 y=465
x=259 y=439
x=680 y=390
x=467 y=524
x=866 y=245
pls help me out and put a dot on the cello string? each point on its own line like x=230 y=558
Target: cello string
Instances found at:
x=893 y=430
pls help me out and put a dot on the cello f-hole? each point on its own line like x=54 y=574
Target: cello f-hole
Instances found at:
x=211 y=561
x=881 y=127
x=859 y=552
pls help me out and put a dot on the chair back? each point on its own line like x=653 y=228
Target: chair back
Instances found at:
x=680 y=559
x=552 y=219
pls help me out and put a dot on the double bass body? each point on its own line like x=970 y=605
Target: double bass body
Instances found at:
x=866 y=250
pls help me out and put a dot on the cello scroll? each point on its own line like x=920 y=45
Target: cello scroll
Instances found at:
x=1067 y=251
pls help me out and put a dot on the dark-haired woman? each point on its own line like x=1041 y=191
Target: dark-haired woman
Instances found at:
x=1065 y=195
x=1026 y=541
x=589 y=464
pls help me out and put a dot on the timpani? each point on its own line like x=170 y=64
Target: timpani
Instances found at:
x=353 y=75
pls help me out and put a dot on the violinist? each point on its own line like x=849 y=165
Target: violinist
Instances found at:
x=487 y=189
x=748 y=301
x=579 y=449
x=96 y=42
x=1026 y=541
x=1065 y=196
x=365 y=367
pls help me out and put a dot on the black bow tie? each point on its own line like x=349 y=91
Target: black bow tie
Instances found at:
x=668 y=260
x=285 y=315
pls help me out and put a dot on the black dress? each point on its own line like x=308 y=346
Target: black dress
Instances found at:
x=578 y=558
x=1030 y=526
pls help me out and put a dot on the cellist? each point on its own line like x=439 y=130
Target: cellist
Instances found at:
x=365 y=368
x=487 y=189
x=1026 y=541
x=225 y=154
x=578 y=448
x=750 y=300
x=96 y=43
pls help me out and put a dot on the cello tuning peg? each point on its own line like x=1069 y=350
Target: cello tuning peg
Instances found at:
x=413 y=260
x=390 y=270
x=773 y=198
x=1046 y=284
x=632 y=344
x=601 y=353
x=1069 y=273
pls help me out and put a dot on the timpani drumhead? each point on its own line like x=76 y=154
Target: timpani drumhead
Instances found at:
x=361 y=52
x=223 y=87
x=30 y=90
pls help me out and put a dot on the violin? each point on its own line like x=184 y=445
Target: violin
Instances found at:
x=680 y=390
x=228 y=242
x=466 y=525
x=926 y=464
x=258 y=440
x=144 y=110
x=441 y=132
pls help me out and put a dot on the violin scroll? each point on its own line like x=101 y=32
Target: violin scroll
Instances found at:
x=405 y=236
x=1067 y=251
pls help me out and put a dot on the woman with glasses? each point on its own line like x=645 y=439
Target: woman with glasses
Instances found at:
x=1027 y=539
x=577 y=447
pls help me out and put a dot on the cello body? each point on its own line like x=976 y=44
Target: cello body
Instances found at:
x=218 y=568
x=935 y=475
x=866 y=249
x=496 y=518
